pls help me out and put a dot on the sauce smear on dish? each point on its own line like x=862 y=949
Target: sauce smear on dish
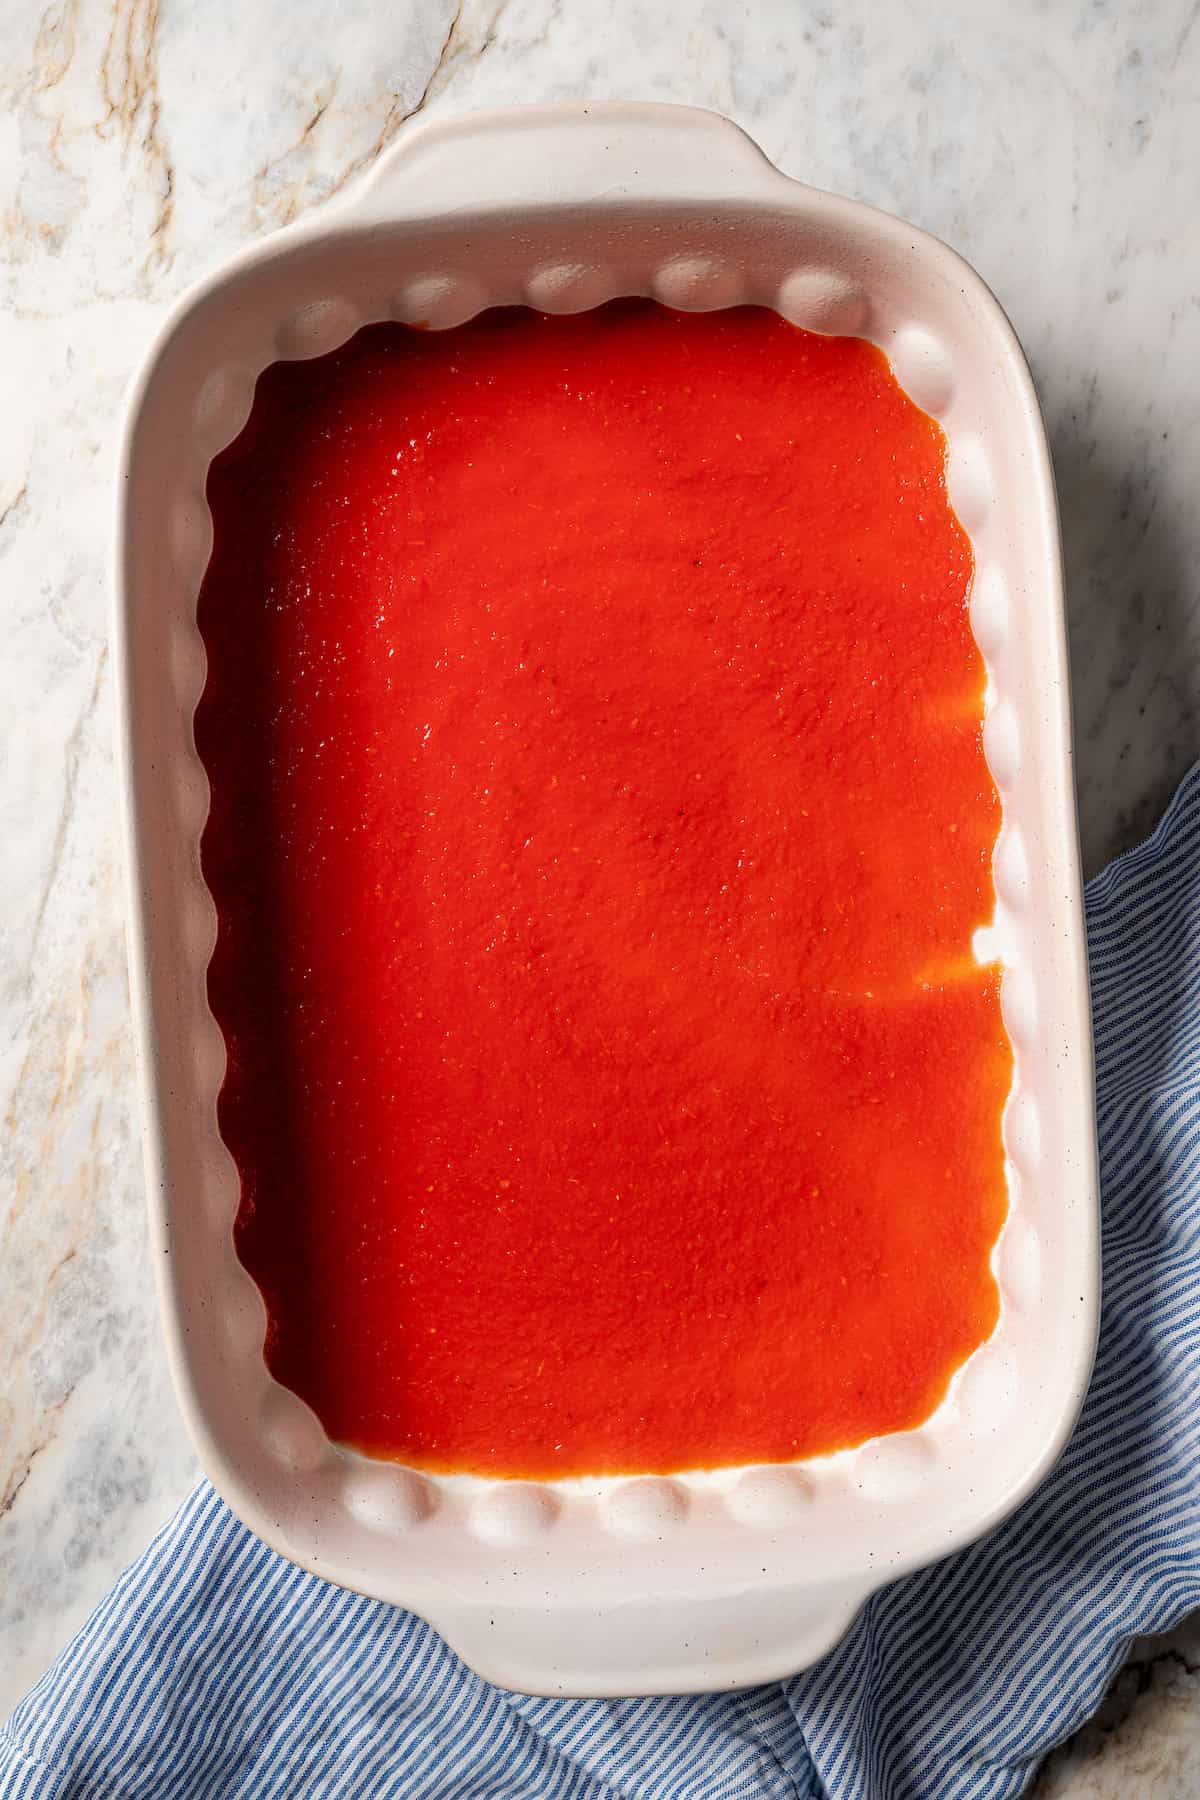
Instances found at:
x=599 y=827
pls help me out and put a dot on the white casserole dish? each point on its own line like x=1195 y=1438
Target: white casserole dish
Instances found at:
x=642 y=1584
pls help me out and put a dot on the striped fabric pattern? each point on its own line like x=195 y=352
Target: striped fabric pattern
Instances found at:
x=217 y=1671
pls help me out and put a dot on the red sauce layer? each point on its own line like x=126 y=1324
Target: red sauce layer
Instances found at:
x=599 y=826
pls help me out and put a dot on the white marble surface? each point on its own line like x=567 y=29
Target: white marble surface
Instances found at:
x=1054 y=143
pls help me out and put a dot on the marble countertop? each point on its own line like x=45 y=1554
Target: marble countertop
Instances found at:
x=1053 y=142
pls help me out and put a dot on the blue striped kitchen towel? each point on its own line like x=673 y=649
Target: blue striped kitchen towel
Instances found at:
x=217 y=1671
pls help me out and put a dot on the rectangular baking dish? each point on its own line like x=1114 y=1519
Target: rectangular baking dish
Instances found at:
x=638 y=1584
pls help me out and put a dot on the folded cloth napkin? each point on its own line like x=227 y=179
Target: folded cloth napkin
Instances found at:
x=215 y=1668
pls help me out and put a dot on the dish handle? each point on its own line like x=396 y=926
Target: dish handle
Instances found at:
x=648 y=1646
x=583 y=151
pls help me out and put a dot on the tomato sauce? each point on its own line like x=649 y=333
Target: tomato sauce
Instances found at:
x=599 y=827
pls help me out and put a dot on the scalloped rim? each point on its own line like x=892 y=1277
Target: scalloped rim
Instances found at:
x=637 y=1504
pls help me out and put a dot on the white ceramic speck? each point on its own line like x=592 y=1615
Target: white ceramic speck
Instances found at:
x=645 y=1585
